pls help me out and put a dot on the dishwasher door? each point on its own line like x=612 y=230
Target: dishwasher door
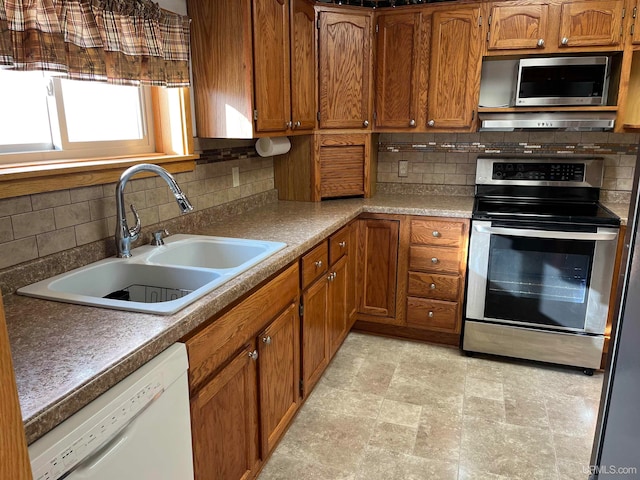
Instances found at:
x=138 y=430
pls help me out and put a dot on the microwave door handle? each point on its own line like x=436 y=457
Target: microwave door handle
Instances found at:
x=526 y=232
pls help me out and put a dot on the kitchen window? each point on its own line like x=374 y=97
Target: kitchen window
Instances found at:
x=49 y=118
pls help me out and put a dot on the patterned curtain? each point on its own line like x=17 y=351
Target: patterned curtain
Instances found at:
x=126 y=42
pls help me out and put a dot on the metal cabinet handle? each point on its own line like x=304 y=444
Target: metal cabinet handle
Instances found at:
x=412 y=123
x=266 y=340
x=564 y=41
x=253 y=355
x=289 y=124
x=436 y=234
x=332 y=276
x=318 y=264
x=540 y=42
x=434 y=260
x=432 y=286
x=430 y=314
x=297 y=124
x=431 y=123
x=365 y=123
x=342 y=244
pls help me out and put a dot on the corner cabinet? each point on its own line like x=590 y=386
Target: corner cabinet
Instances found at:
x=344 y=68
x=454 y=68
x=253 y=65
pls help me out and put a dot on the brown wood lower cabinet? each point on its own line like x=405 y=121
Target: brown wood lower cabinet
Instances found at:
x=338 y=321
x=224 y=422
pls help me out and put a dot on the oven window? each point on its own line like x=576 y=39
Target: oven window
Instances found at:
x=539 y=281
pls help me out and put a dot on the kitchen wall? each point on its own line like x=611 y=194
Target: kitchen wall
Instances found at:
x=38 y=225
x=446 y=162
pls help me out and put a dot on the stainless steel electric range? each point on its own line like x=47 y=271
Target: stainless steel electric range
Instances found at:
x=541 y=260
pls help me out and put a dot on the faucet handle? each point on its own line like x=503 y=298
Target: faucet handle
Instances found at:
x=156 y=237
x=135 y=231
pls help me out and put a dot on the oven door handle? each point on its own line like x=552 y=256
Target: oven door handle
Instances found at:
x=526 y=232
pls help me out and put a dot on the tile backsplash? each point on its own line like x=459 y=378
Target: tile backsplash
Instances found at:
x=436 y=161
x=34 y=226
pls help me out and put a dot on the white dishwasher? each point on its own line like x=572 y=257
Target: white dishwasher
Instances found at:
x=140 y=429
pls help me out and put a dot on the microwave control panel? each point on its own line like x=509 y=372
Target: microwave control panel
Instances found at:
x=549 y=172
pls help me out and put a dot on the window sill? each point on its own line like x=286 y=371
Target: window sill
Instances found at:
x=18 y=180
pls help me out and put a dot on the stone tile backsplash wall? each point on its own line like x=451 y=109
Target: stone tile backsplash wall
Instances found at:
x=448 y=161
x=38 y=225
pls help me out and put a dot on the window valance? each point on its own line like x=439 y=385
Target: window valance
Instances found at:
x=127 y=42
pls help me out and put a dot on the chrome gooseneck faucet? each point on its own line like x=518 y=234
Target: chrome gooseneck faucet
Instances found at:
x=126 y=235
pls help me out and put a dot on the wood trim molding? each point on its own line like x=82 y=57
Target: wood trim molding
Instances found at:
x=14 y=457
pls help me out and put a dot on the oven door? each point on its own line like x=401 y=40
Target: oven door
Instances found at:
x=558 y=280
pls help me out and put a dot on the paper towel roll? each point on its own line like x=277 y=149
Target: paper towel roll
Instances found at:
x=268 y=146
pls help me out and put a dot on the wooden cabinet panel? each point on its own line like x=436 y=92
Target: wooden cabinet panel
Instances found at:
x=454 y=75
x=433 y=315
x=339 y=244
x=397 y=69
x=378 y=253
x=315 y=346
x=341 y=171
x=518 y=26
x=224 y=423
x=434 y=259
x=437 y=232
x=634 y=27
x=590 y=23
x=271 y=64
x=337 y=321
x=431 y=285
x=279 y=365
x=210 y=348
x=314 y=263
x=352 y=290
x=344 y=69
x=303 y=61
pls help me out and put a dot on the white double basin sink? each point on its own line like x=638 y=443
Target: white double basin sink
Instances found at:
x=157 y=279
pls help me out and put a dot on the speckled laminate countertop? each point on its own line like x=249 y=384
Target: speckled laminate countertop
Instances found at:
x=66 y=355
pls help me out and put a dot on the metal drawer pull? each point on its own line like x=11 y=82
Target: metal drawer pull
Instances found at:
x=253 y=355
x=430 y=314
x=318 y=264
x=342 y=244
x=436 y=234
x=266 y=340
x=432 y=286
x=434 y=260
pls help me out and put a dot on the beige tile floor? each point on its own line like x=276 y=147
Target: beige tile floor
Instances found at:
x=398 y=410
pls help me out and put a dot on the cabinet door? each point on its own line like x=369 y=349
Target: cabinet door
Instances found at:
x=271 y=64
x=338 y=290
x=224 y=422
x=518 y=26
x=344 y=66
x=590 y=23
x=315 y=346
x=352 y=290
x=634 y=29
x=454 y=78
x=342 y=163
x=279 y=364
x=303 y=72
x=378 y=265
x=398 y=48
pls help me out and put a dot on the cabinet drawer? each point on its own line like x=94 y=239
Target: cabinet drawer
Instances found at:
x=314 y=263
x=432 y=315
x=339 y=244
x=437 y=232
x=212 y=347
x=434 y=259
x=430 y=285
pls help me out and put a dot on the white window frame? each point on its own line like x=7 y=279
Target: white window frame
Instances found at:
x=64 y=150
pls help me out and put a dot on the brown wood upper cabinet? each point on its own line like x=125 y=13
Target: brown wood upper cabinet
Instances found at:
x=634 y=24
x=398 y=57
x=554 y=26
x=253 y=67
x=344 y=68
x=454 y=68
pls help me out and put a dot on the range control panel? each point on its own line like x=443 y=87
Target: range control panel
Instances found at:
x=548 y=172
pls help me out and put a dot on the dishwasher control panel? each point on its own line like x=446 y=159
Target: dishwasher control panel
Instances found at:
x=96 y=435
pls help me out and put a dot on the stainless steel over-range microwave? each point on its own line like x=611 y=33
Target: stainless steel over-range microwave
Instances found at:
x=562 y=81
